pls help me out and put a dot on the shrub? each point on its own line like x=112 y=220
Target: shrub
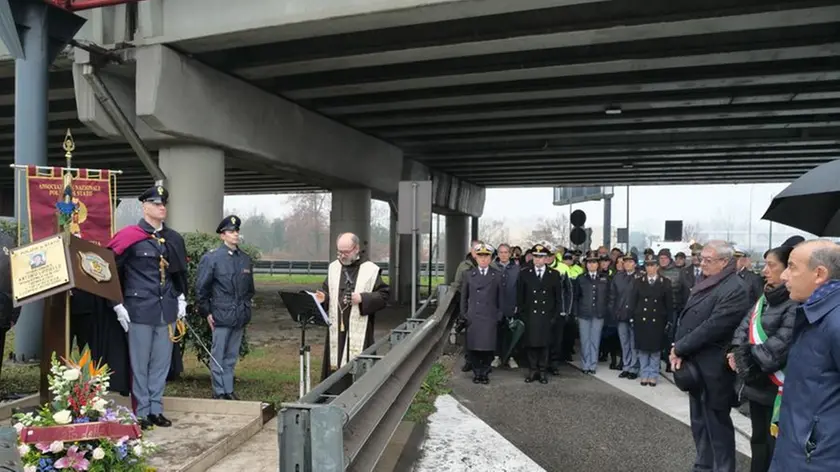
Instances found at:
x=198 y=244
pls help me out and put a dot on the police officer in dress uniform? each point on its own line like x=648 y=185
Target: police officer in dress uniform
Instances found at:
x=224 y=289
x=593 y=303
x=653 y=307
x=539 y=298
x=151 y=261
x=481 y=303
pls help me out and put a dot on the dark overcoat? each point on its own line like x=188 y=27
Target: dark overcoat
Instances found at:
x=705 y=329
x=653 y=305
x=481 y=302
x=622 y=286
x=510 y=277
x=540 y=304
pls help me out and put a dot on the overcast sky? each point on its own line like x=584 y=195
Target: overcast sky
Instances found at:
x=649 y=206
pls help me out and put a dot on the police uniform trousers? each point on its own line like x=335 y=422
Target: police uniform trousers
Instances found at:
x=150 y=353
x=225 y=349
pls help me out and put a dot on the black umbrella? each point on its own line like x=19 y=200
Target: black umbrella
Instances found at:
x=811 y=202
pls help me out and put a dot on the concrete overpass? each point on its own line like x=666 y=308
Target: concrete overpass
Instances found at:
x=265 y=95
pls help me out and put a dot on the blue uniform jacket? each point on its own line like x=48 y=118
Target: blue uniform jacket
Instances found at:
x=225 y=286
x=149 y=298
x=809 y=424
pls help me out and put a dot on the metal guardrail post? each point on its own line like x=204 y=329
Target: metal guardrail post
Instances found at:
x=9 y=457
x=310 y=438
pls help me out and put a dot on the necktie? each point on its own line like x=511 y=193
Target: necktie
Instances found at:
x=651 y=280
x=696 y=273
x=539 y=273
x=483 y=271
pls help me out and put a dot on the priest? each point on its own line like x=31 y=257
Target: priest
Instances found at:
x=353 y=292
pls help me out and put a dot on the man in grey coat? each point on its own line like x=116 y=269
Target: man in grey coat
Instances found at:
x=710 y=316
x=481 y=304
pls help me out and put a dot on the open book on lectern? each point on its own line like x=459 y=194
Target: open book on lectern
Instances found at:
x=303 y=306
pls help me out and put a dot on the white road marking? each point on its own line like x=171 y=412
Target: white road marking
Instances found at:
x=451 y=444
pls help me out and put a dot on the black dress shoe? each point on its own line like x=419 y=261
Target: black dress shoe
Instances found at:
x=144 y=424
x=543 y=379
x=531 y=377
x=160 y=420
x=632 y=376
x=476 y=379
x=485 y=380
x=624 y=375
x=554 y=371
x=645 y=384
x=218 y=396
x=231 y=396
x=467 y=367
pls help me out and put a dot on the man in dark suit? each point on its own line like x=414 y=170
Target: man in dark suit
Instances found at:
x=754 y=283
x=715 y=308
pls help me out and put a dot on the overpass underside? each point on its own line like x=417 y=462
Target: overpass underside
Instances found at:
x=590 y=92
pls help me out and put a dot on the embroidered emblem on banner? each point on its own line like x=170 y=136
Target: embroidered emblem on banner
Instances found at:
x=95 y=266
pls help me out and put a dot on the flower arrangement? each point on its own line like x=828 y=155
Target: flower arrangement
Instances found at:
x=80 y=430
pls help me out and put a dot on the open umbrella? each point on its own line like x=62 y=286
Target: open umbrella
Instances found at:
x=811 y=202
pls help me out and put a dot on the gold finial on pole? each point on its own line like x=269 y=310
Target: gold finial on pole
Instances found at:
x=69 y=146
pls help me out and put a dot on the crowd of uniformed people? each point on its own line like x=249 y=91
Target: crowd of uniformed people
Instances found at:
x=621 y=307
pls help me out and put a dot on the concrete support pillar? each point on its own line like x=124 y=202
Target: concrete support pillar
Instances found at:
x=350 y=213
x=457 y=243
x=195 y=179
x=474 y=229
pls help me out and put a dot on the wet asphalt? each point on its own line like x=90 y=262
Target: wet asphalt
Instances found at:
x=579 y=423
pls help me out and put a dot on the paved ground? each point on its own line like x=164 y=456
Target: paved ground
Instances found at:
x=578 y=422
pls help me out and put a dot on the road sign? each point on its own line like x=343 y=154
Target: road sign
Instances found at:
x=621 y=235
x=572 y=195
x=415 y=207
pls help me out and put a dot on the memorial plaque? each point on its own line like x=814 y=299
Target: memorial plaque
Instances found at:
x=39 y=270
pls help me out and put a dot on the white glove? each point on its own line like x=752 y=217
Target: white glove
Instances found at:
x=122 y=316
x=182 y=307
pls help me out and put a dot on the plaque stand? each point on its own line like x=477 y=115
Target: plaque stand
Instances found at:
x=56 y=337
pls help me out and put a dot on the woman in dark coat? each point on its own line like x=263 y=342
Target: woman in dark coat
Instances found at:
x=653 y=302
x=759 y=355
x=481 y=303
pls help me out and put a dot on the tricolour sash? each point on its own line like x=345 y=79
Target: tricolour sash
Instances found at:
x=758 y=336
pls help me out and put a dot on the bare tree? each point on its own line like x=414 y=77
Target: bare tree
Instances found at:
x=308 y=226
x=553 y=231
x=493 y=231
x=691 y=232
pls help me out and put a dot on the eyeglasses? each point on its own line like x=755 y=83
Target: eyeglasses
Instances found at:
x=709 y=260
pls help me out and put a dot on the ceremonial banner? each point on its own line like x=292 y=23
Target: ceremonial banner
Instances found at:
x=93 y=218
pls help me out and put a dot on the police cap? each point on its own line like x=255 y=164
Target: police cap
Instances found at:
x=651 y=261
x=630 y=257
x=155 y=194
x=540 y=250
x=739 y=252
x=592 y=257
x=648 y=251
x=680 y=254
x=603 y=257
x=568 y=256
x=230 y=223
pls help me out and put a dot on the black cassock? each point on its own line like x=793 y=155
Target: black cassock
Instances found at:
x=372 y=302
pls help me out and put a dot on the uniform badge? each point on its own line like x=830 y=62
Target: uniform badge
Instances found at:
x=95 y=266
x=233 y=219
x=160 y=190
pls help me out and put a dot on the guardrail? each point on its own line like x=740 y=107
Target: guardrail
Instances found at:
x=321 y=267
x=322 y=432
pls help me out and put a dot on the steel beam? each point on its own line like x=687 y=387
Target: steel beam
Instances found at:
x=613 y=34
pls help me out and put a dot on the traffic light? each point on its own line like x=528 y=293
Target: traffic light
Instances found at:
x=579 y=236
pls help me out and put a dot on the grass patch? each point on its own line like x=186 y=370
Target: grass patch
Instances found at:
x=436 y=383
x=269 y=373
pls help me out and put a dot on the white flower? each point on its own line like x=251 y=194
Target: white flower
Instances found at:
x=98 y=454
x=63 y=417
x=56 y=447
x=71 y=374
x=30 y=468
x=99 y=405
x=19 y=427
x=138 y=450
x=23 y=449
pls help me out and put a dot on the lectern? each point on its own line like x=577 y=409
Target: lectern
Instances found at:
x=52 y=267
